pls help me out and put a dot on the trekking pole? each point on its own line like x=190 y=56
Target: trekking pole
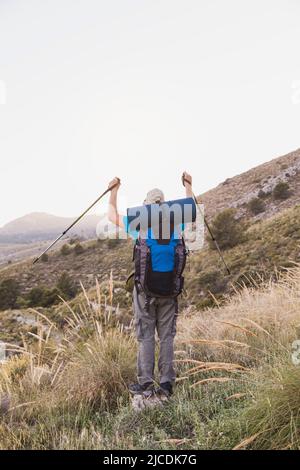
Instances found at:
x=184 y=180
x=75 y=221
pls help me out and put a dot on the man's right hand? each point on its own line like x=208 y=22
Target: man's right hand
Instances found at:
x=115 y=184
x=186 y=179
x=187 y=182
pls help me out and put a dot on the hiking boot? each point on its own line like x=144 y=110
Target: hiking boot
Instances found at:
x=166 y=388
x=138 y=389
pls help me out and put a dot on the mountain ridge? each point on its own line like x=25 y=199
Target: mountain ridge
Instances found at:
x=39 y=226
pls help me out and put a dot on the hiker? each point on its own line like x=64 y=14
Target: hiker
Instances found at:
x=155 y=303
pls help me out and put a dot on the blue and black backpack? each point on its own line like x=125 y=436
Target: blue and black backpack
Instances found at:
x=159 y=264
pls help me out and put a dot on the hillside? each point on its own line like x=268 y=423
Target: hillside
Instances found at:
x=97 y=259
x=16 y=252
x=238 y=191
x=237 y=385
x=270 y=245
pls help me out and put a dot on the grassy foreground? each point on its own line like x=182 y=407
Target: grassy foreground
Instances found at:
x=237 y=384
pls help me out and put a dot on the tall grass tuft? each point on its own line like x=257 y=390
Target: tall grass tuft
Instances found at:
x=272 y=421
x=64 y=374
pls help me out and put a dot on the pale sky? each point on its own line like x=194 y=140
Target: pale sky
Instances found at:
x=141 y=89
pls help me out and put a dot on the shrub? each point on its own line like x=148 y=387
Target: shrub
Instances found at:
x=281 y=191
x=78 y=250
x=227 y=230
x=65 y=249
x=73 y=241
x=212 y=281
x=9 y=291
x=256 y=205
x=66 y=286
x=263 y=194
x=44 y=258
x=40 y=296
x=35 y=296
x=51 y=296
x=21 y=302
x=112 y=243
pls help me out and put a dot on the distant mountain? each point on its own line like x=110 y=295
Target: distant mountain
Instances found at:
x=39 y=226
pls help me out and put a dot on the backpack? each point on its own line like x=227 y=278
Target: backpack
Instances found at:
x=159 y=265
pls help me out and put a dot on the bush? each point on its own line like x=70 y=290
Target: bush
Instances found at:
x=263 y=194
x=112 y=243
x=227 y=230
x=65 y=249
x=73 y=241
x=9 y=291
x=45 y=258
x=281 y=191
x=40 y=296
x=78 y=250
x=256 y=206
x=211 y=280
x=66 y=286
x=35 y=296
x=21 y=302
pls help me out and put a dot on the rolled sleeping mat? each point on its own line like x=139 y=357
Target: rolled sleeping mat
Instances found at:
x=177 y=212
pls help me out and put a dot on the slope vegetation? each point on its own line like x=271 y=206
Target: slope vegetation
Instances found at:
x=238 y=386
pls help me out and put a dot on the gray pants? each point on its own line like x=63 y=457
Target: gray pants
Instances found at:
x=161 y=315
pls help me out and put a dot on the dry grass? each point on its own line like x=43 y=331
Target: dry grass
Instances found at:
x=68 y=389
x=250 y=329
x=252 y=334
x=85 y=367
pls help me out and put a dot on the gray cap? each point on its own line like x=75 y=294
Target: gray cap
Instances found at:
x=154 y=196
